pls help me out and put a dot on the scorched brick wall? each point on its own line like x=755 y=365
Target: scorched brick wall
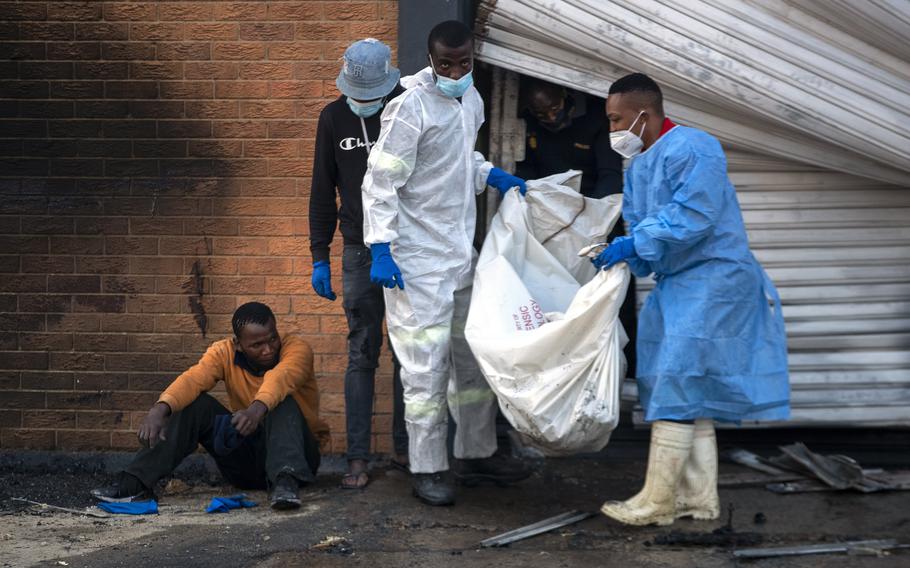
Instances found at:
x=154 y=174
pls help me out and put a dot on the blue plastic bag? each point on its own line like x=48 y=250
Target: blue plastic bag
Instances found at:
x=134 y=508
x=225 y=504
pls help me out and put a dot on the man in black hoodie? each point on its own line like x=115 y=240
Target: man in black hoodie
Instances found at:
x=348 y=127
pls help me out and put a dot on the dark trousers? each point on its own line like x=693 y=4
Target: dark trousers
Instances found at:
x=364 y=307
x=283 y=443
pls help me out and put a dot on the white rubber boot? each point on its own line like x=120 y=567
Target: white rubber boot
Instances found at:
x=671 y=444
x=697 y=496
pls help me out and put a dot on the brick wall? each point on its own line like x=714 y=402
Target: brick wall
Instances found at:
x=154 y=174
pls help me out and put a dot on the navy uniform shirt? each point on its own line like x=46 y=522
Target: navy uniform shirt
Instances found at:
x=582 y=145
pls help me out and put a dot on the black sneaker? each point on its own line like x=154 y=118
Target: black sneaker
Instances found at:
x=434 y=488
x=284 y=493
x=126 y=490
x=499 y=469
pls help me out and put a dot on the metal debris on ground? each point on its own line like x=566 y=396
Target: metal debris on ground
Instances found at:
x=872 y=483
x=540 y=527
x=861 y=547
x=840 y=472
x=334 y=545
x=755 y=479
x=799 y=470
x=88 y=512
x=748 y=459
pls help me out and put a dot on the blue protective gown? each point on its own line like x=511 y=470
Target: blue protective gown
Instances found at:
x=711 y=341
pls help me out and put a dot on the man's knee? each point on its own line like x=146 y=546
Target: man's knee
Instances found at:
x=288 y=406
x=204 y=406
x=433 y=410
x=364 y=349
x=362 y=360
x=203 y=402
x=286 y=414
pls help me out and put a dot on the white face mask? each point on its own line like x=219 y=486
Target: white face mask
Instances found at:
x=625 y=142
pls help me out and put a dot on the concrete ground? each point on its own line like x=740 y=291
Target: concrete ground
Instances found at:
x=385 y=526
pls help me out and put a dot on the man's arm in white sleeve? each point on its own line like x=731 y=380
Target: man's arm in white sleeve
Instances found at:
x=391 y=162
x=481 y=172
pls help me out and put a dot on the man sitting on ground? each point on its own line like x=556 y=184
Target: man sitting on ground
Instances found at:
x=269 y=438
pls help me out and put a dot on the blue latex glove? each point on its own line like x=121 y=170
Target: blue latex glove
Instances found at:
x=227 y=438
x=134 y=508
x=322 y=279
x=225 y=504
x=620 y=249
x=384 y=270
x=504 y=181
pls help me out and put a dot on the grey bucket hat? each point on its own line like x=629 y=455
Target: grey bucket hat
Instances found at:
x=367 y=72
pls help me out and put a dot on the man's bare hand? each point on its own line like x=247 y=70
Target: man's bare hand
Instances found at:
x=151 y=431
x=246 y=421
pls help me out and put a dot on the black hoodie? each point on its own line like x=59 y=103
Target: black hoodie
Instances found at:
x=340 y=162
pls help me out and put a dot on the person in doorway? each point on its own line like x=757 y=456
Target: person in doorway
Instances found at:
x=568 y=130
x=271 y=435
x=419 y=219
x=347 y=129
x=711 y=340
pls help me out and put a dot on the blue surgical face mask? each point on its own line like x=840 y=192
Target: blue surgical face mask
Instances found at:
x=451 y=87
x=365 y=109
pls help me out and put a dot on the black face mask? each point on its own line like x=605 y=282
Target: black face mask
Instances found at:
x=563 y=120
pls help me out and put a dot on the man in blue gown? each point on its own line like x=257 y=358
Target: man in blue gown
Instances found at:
x=711 y=343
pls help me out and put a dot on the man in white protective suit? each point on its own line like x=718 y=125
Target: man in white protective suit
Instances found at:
x=419 y=218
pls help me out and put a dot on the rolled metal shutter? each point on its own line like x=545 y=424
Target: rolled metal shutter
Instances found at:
x=838 y=249
x=836 y=244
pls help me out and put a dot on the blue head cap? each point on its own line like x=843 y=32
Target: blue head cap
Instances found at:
x=367 y=72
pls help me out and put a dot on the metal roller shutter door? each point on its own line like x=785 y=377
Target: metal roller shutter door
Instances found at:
x=837 y=245
x=838 y=249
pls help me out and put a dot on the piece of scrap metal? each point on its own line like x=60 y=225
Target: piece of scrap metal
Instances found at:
x=88 y=512
x=839 y=472
x=755 y=479
x=748 y=459
x=855 y=546
x=800 y=470
x=546 y=525
x=872 y=483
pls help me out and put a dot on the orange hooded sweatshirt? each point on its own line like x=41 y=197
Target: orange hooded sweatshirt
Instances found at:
x=293 y=375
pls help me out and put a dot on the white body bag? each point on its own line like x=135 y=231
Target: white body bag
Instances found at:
x=543 y=323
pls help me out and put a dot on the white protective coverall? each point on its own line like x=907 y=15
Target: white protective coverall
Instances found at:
x=419 y=195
